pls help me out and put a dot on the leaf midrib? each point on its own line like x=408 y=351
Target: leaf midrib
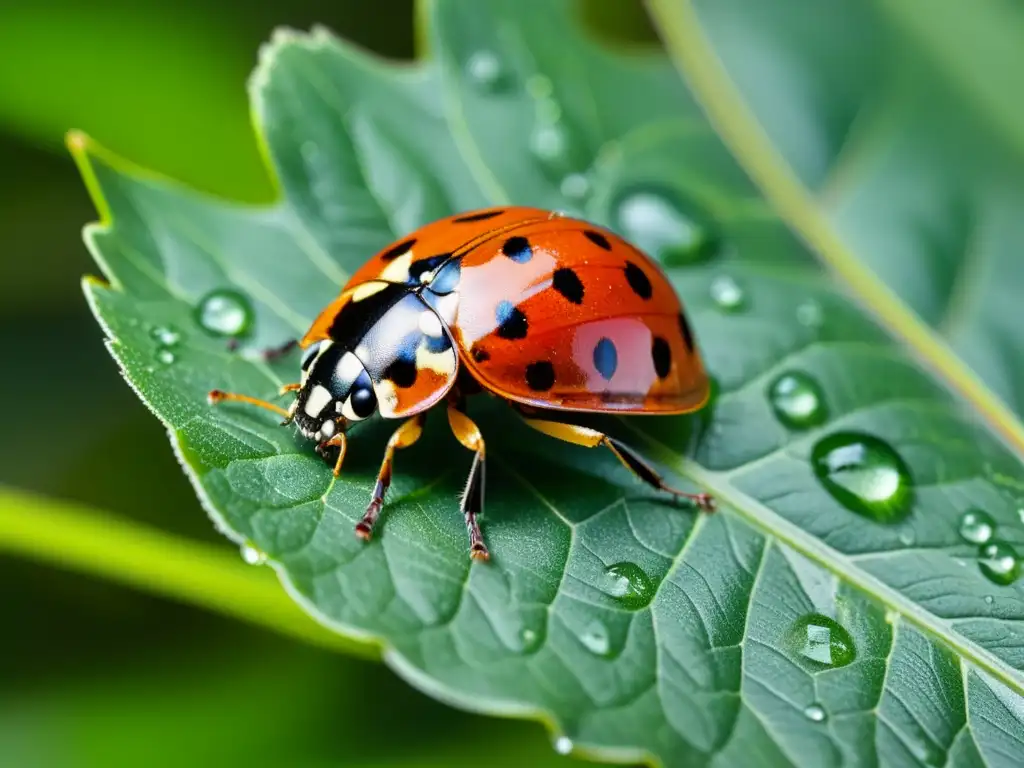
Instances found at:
x=679 y=25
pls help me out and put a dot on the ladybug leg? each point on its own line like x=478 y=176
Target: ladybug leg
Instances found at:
x=467 y=433
x=275 y=352
x=218 y=396
x=403 y=437
x=633 y=461
x=340 y=442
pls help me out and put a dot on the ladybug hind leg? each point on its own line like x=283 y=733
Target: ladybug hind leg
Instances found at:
x=468 y=433
x=637 y=464
x=403 y=437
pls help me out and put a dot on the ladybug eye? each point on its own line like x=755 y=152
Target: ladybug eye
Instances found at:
x=364 y=402
x=309 y=355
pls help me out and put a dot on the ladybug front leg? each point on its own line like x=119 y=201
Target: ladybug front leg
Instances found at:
x=468 y=433
x=404 y=436
x=591 y=438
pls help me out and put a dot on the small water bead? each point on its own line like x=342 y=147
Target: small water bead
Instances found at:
x=540 y=87
x=252 y=554
x=822 y=640
x=166 y=336
x=797 y=400
x=225 y=313
x=575 y=186
x=865 y=475
x=563 y=745
x=989 y=599
x=660 y=224
x=999 y=562
x=549 y=142
x=977 y=526
x=628 y=584
x=727 y=293
x=595 y=638
x=484 y=69
x=810 y=314
x=815 y=713
x=165 y=356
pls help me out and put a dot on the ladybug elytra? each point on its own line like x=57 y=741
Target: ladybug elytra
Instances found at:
x=551 y=314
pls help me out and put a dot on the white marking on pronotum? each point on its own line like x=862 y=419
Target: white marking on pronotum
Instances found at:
x=318 y=399
x=397 y=271
x=327 y=429
x=430 y=324
x=349 y=367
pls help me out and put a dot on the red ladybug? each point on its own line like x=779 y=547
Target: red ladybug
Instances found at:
x=551 y=314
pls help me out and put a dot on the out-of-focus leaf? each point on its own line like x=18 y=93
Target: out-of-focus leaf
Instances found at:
x=896 y=157
x=788 y=628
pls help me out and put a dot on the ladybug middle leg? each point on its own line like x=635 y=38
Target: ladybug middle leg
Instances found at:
x=403 y=437
x=468 y=433
x=637 y=464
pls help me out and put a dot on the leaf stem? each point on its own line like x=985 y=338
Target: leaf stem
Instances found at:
x=78 y=538
x=679 y=26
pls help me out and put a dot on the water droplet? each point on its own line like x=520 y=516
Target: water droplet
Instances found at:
x=989 y=599
x=628 y=584
x=865 y=475
x=165 y=356
x=225 y=313
x=891 y=617
x=484 y=69
x=549 y=142
x=907 y=538
x=815 y=713
x=576 y=186
x=252 y=554
x=540 y=87
x=999 y=562
x=166 y=336
x=595 y=638
x=797 y=400
x=563 y=745
x=822 y=641
x=727 y=293
x=1020 y=515
x=529 y=638
x=809 y=314
x=663 y=226
x=977 y=526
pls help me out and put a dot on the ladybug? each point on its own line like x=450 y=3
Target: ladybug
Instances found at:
x=551 y=314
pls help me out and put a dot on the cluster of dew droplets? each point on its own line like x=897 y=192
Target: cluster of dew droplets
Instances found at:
x=997 y=559
x=167 y=339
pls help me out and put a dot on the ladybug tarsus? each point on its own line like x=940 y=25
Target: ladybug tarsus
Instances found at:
x=704 y=501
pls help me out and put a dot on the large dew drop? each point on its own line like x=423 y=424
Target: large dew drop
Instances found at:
x=999 y=562
x=865 y=475
x=660 y=224
x=225 y=313
x=797 y=400
x=628 y=584
x=821 y=641
x=977 y=526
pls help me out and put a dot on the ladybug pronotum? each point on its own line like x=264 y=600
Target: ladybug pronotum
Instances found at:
x=551 y=314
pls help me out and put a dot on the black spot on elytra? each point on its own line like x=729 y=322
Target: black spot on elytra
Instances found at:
x=606 y=358
x=397 y=250
x=511 y=321
x=402 y=372
x=540 y=376
x=661 y=354
x=482 y=216
x=480 y=354
x=638 y=281
x=597 y=239
x=518 y=249
x=684 y=328
x=568 y=283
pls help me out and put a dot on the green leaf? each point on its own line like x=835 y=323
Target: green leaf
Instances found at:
x=785 y=629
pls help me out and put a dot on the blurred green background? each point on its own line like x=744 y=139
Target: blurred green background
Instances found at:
x=93 y=674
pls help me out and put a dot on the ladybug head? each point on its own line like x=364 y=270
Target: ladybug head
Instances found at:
x=336 y=391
